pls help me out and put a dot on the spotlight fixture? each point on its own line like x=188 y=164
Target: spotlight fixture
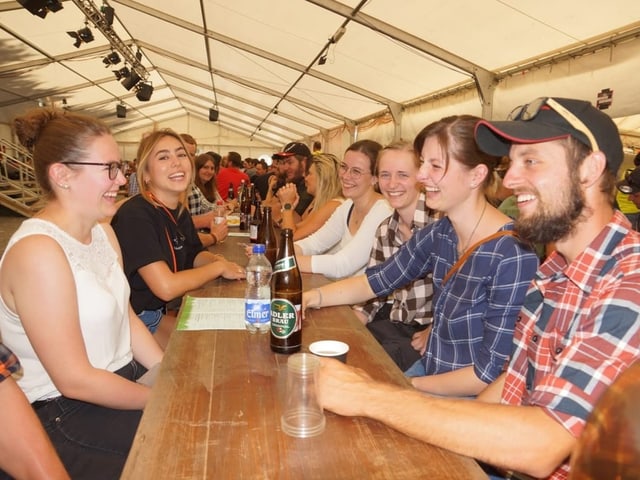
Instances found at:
x=41 y=7
x=323 y=59
x=83 y=35
x=112 y=59
x=144 y=91
x=121 y=73
x=121 y=111
x=108 y=13
x=130 y=81
x=213 y=115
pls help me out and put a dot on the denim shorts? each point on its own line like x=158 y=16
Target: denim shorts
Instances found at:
x=151 y=318
x=417 y=369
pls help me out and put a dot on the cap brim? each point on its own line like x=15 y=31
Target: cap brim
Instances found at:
x=282 y=155
x=496 y=138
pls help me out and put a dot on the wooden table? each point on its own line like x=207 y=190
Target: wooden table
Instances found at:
x=215 y=410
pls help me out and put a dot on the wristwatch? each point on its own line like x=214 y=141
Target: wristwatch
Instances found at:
x=286 y=206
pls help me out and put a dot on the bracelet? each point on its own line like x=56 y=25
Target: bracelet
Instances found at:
x=215 y=239
x=320 y=297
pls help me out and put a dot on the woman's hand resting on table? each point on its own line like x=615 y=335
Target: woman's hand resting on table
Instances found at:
x=231 y=271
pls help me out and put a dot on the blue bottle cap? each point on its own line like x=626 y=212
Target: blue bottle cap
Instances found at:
x=259 y=248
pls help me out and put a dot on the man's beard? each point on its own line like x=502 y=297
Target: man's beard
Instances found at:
x=546 y=226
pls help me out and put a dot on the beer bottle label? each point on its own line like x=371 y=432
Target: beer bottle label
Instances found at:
x=284 y=264
x=285 y=318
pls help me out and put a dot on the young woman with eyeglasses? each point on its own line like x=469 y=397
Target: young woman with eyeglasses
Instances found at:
x=163 y=255
x=322 y=181
x=478 y=287
x=64 y=308
x=341 y=247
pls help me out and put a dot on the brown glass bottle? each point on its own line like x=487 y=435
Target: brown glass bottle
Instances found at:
x=267 y=235
x=256 y=220
x=286 y=299
x=245 y=207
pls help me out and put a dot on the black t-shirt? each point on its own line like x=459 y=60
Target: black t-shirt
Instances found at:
x=148 y=234
x=305 y=197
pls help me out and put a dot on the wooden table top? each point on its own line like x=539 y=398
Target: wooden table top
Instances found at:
x=215 y=409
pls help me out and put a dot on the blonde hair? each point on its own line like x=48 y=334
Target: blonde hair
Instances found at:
x=328 y=181
x=147 y=144
x=399 y=146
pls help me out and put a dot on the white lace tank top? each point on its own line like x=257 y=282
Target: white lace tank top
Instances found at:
x=103 y=299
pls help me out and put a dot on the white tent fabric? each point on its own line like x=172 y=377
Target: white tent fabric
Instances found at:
x=284 y=70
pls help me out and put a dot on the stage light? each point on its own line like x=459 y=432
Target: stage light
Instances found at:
x=144 y=91
x=112 y=59
x=121 y=73
x=108 y=14
x=213 y=115
x=131 y=81
x=121 y=111
x=41 y=7
x=83 y=35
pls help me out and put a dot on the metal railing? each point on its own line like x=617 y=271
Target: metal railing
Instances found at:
x=19 y=189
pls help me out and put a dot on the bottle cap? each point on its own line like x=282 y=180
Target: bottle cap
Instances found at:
x=259 y=248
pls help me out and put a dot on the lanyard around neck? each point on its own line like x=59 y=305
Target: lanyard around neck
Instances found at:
x=160 y=205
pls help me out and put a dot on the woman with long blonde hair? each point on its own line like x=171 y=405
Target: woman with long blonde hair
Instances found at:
x=323 y=182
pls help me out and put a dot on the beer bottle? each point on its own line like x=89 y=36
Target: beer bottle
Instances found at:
x=245 y=208
x=267 y=235
x=286 y=299
x=256 y=220
x=231 y=194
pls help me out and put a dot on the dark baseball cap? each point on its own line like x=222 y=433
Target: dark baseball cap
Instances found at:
x=293 y=148
x=547 y=119
x=631 y=182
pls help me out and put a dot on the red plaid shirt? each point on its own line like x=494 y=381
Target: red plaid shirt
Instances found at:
x=579 y=328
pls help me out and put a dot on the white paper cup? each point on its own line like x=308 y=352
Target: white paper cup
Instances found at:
x=330 y=348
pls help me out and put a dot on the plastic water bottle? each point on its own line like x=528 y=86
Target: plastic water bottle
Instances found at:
x=257 y=298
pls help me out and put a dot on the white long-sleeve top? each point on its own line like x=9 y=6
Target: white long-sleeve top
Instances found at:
x=352 y=252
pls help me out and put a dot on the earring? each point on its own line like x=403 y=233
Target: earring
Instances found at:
x=64 y=186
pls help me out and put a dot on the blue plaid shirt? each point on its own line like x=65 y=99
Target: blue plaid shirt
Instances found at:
x=474 y=313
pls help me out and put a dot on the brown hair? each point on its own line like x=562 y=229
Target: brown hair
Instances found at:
x=56 y=136
x=399 y=146
x=455 y=135
x=147 y=144
x=370 y=148
x=207 y=188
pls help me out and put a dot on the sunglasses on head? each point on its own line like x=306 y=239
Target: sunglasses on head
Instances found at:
x=530 y=110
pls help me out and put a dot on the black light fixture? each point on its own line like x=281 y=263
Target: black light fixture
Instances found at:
x=144 y=91
x=83 y=35
x=108 y=13
x=121 y=110
x=323 y=59
x=112 y=59
x=213 y=114
x=121 y=73
x=41 y=7
x=130 y=81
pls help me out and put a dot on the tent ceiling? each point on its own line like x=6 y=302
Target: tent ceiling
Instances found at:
x=257 y=61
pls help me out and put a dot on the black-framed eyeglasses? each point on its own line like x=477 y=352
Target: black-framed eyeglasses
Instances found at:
x=530 y=110
x=114 y=167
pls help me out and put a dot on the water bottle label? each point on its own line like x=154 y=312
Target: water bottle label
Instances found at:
x=284 y=264
x=257 y=310
x=285 y=318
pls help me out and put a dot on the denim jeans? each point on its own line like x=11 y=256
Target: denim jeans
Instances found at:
x=92 y=441
x=151 y=318
x=416 y=370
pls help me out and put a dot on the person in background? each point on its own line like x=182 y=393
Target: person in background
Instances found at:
x=231 y=175
x=261 y=168
x=163 y=256
x=132 y=182
x=323 y=183
x=480 y=270
x=341 y=247
x=317 y=147
x=579 y=327
x=25 y=448
x=630 y=186
x=296 y=159
x=394 y=320
x=81 y=345
x=250 y=167
x=205 y=178
x=625 y=203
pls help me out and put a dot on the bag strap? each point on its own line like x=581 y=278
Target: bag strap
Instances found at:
x=467 y=254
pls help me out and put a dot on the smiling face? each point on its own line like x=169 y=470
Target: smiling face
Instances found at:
x=397 y=178
x=206 y=172
x=96 y=193
x=168 y=170
x=549 y=205
x=355 y=175
x=293 y=168
x=447 y=183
